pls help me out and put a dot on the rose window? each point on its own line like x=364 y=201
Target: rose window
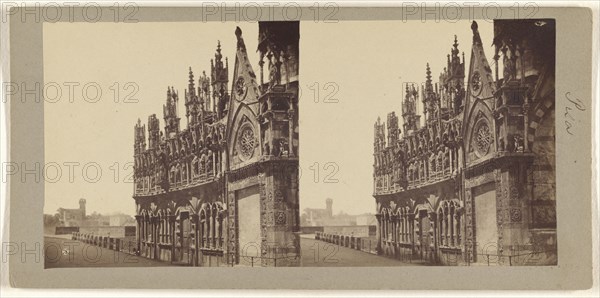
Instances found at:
x=483 y=138
x=246 y=142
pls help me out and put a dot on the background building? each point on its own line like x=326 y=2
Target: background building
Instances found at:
x=72 y=217
x=317 y=217
x=476 y=180
x=225 y=188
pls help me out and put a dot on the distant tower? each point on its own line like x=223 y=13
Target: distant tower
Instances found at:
x=329 y=204
x=82 y=208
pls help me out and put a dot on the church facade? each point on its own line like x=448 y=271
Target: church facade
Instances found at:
x=223 y=191
x=475 y=183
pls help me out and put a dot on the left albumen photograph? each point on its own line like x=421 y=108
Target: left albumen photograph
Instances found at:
x=176 y=144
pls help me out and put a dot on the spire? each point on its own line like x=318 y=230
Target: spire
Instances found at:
x=480 y=82
x=245 y=87
x=428 y=86
x=475 y=28
x=219 y=80
x=191 y=79
x=455 y=44
x=192 y=104
x=170 y=112
x=218 y=54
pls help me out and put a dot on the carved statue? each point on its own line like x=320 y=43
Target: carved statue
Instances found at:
x=209 y=162
x=509 y=66
x=519 y=143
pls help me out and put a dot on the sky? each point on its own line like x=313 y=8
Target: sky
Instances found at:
x=368 y=61
x=350 y=74
x=150 y=55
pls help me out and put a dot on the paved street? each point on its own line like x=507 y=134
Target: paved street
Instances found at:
x=322 y=254
x=61 y=253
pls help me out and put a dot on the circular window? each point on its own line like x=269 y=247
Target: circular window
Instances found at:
x=476 y=84
x=246 y=142
x=483 y=138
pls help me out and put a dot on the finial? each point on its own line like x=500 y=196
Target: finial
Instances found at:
x=191 y=77
x=428 y=72
x=476 y=37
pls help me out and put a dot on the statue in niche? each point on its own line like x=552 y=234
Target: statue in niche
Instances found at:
x=447 y=159
x=184 y=173
x=209 y=162
x=274 y=71
x=519 y=143
x=266 y=148
x=276 y=149
x=202 y=163
x=195 y=166
x=509 y=66
x=283 y=148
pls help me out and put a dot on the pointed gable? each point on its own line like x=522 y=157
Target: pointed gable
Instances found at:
x=478 y=121
x=244 y=87
x=480 y=81
x=243 y=108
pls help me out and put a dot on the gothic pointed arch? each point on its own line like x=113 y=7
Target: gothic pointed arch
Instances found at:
x=243 y=138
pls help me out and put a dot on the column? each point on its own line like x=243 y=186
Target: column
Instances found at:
x=138 y=236
x=155 y=236
x=411 y=235
x=181 y=236
x=452 y=219
x=194 y=219
x=433 y=227
x=172 y=219
x=379 y=232
x=291 y=128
